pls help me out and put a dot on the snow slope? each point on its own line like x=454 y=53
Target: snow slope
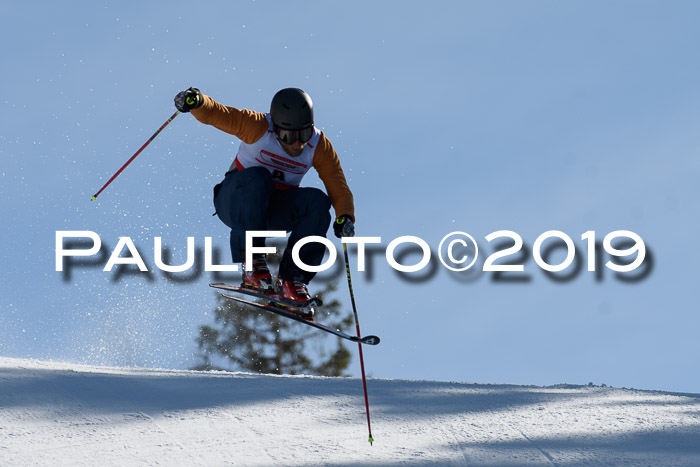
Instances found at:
x=64 y=414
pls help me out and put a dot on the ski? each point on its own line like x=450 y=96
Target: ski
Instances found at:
x=369 y=340
x=273 y=297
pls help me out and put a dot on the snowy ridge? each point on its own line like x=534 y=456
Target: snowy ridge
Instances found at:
x=65 y=414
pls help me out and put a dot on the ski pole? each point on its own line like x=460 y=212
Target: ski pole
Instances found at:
x=359 y=344
x=94 y=197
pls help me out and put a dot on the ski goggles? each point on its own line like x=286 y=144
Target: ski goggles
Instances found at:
x=302 y=135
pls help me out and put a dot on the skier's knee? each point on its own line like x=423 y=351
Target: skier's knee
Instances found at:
x=254 y=177
x=320 y=205
x=318 y=200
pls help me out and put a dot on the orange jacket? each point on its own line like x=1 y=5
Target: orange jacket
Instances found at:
x=249 y=126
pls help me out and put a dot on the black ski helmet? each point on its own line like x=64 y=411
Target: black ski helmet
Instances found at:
x=292 y=109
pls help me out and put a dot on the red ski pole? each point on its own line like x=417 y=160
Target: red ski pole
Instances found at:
x=359 y=344
x=94 y=197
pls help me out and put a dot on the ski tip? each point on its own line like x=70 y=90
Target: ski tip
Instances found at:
x=370 y=340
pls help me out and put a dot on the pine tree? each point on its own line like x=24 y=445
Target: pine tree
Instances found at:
x=245 y=338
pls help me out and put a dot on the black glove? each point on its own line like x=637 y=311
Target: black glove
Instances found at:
x=344 y=227
x=188 y=100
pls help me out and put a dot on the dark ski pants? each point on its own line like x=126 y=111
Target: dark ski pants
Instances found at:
x=247 y=200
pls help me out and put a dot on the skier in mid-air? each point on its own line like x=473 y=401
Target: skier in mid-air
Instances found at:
x=261 y=191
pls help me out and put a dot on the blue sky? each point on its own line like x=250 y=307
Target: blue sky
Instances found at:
x=470 y=116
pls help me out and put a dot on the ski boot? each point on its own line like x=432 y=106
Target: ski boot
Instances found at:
x=259 y=278
x=296 y=292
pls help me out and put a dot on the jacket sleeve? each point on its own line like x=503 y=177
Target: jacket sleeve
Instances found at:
x=327 y=165
x=249 y=126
